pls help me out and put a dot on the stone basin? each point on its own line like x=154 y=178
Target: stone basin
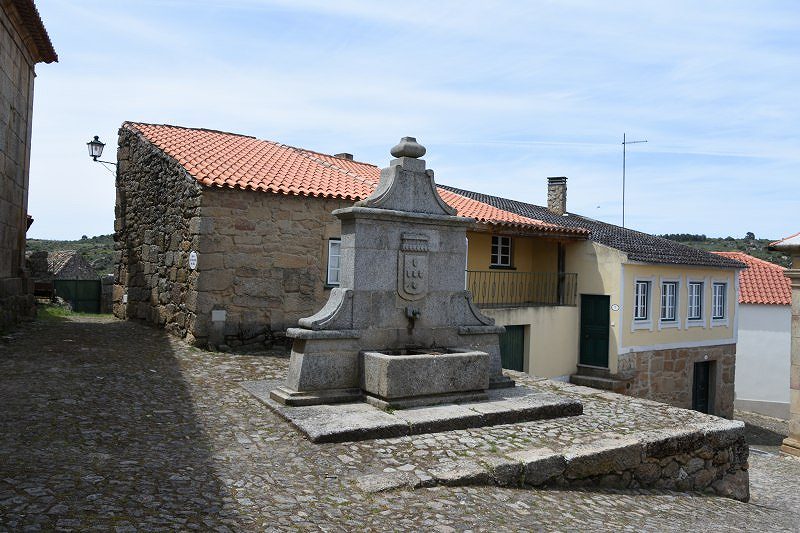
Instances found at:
x=411 y=378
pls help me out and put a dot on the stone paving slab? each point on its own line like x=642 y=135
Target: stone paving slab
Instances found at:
x=360 y=421
x=116 y=426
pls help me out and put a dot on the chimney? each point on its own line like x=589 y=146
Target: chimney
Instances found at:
x=557 y=195
x=344 y=155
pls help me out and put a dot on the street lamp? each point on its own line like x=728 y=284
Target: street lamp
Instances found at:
x=96 y=150
x=95 y=147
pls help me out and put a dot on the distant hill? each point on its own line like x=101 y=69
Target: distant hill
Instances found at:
x=99 y=250
x=747 y=244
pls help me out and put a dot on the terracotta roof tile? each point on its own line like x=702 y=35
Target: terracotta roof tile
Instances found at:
x=761 y=282
x=216 y=158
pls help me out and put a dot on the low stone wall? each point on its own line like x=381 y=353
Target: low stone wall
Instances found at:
x=709 y=458
x=667 y=375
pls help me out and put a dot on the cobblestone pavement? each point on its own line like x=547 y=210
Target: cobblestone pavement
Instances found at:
x=109 y=425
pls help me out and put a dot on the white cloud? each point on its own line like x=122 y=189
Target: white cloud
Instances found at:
x=503 y=94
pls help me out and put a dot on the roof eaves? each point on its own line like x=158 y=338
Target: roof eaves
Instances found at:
x=38 y=39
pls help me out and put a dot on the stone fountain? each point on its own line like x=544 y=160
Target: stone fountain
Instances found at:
x=400 y=331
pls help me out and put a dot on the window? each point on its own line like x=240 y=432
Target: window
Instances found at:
x=501 y=251
x=669 y=301
x=718 y=303
x=334 y=261
x=641 y=304
x=695 y=300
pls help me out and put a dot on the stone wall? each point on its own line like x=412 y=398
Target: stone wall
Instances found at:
x=263 y=261
x=667 y=375
x=261 y=256
x=16 y=107
x=157 y=224
x=709 y=458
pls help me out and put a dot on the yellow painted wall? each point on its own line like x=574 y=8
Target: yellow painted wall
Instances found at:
x=711 y=331
x=528 y=254
x=598 y=269
x=551 y=340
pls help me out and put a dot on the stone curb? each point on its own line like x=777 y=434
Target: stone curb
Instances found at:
x=709 y=457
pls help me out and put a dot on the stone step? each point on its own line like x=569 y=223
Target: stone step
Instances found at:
x=594 y=371
x=607 y=383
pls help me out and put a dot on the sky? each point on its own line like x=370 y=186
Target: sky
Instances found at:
x=502 y=94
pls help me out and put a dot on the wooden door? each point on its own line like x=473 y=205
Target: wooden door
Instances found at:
x=594 y=330
x=701 y=387
x=512 y=348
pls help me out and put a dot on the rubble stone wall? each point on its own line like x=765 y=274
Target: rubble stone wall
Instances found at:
x=156 y=226
x=667 y=375
x=710 y=458
x=16 y=108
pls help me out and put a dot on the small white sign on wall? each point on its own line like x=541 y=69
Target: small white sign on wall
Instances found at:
x=192 y=260
x=218 y=315
x=614 y=307
x=125 y=298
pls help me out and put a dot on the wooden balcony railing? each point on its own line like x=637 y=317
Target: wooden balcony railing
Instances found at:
x=494 y=288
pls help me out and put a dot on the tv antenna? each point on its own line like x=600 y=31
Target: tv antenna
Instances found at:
x=624 y=143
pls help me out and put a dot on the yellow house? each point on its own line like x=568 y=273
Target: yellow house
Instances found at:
x=619 y=310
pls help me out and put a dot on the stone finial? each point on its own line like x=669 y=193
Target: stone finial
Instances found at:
x=408 y=147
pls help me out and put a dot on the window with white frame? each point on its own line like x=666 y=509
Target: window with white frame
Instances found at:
x=669 y=301
x=641 y=304
x=718 y=300
x=695 y=303
x=334 y=261
x=501 y=251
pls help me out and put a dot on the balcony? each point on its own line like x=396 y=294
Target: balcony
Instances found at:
x=493 y=288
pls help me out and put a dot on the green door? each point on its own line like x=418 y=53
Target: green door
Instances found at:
x=594 y=330
x=512 y=348
x=83 y=295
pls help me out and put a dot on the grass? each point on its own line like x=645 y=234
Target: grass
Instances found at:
x=53 y=312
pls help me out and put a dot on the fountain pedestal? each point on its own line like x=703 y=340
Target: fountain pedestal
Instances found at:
x=400 y=330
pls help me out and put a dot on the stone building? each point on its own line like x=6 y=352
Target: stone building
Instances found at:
x=23 y=43
x=61 y=264
x=227 y=240
x=256 y=217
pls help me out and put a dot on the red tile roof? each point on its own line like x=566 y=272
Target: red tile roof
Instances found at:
x=761 y=282
x=220 y=159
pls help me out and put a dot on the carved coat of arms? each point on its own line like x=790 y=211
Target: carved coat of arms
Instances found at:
x=412 y=266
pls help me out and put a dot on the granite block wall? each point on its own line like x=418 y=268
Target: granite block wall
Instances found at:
x=16 y=108
x=263 y=261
